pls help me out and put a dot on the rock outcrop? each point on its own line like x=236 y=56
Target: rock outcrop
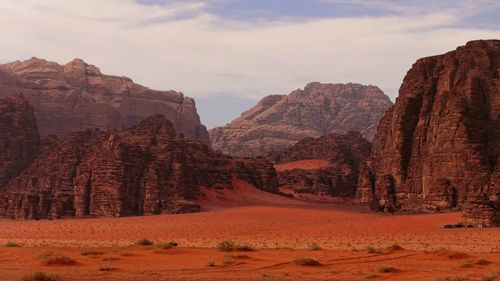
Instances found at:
x=438 y=147
x=279 y=121
x=19 y=140
x=345 y=153
x=147 y=169
x=77 y=96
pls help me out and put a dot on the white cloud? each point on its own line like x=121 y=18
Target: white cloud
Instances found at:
x=182 y=47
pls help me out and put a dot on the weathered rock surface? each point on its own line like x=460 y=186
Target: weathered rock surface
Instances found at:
x=19 y=140
x=345 y=153
x=77 y=96
x=438 y=147
x=279 y=121
x=147 y=169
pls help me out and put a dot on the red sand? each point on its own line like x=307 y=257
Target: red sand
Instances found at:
x=279 y=228
x=303 y=165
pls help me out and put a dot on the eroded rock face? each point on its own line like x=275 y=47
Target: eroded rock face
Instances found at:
x=345 y=154
x=279 y=121
x=147 y=169
x=77 y=96
x=19 y=140
x=438 y=147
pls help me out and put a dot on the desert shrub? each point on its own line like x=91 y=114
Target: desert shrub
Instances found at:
x=395 y=247
x=307 y=261
x=372 y=249
x=483 y=262
x=227 y=259
x=387 y=269
x=91 y=252
x=245 y=248
x=11 y=244
x=50 y=258
x=314 y=247
x=226 y=246
x=452 y=278
x=163 y=246
x=211 y=263
x=40 y=276
x=105 y=266
x=144 y=242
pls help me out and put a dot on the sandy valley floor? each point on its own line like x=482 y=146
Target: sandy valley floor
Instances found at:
x=353 y=244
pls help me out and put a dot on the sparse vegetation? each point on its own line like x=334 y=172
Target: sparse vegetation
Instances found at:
x=163 y=246
x=144 y=242
x=387 y=269
x=227 y=259
x=245 y=248
x=307 y=261
x=50 y=258
x=40 y=276
x=314 y=247
x=372 y=249
x=491 y=277
x=466 y=264
x=211 y=263
x=483 y=262
x=226 y=246
x=395 y=247
x=11 y=244
x=91 y=252
x=229 y=246
x=105 y=266
x=453 y=278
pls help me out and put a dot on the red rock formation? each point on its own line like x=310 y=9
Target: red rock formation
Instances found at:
x=77 y=96
x=345 y=152
x=144 y=170
x=278 y=122
x=19 y=140
x=438 y=147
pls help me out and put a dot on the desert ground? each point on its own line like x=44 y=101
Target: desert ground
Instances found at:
x=347 y=241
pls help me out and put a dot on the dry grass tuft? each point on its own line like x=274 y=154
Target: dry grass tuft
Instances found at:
x=144 y=242
x=91 y=252
x=40 y=276
x=314 y=247
x=11 y=244
x=51 y=258
x=371 y=249
x=307 y=261
x=387 y=269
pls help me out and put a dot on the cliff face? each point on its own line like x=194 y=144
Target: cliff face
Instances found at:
x=77 y=96
x=19 y=140
x=143 y=170
x=438 y=147
x=345 y=154
x=278 y=122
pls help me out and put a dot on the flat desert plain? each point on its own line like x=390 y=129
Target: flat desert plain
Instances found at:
x=281 y=239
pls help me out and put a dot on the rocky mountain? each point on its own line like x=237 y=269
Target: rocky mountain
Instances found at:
x=279 y=121
x=438 y=147
x=77 y=96
x=147 y=169
x=19 y=140
x=344 y=155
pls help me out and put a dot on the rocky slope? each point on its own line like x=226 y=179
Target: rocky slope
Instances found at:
x=438 y=147
x=279 y=121
x=143 y=170
x=345 y=153
x=19 y=140
x=77 y=96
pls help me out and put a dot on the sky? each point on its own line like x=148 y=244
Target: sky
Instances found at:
x=227 y=54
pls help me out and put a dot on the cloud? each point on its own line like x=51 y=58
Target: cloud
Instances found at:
x=183 y=46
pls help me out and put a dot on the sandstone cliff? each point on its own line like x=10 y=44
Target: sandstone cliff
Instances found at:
x=438 y=147
x=345 y=153
x=143 y=170
x=77 y=96
x=278 y=121
x=19 y=140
